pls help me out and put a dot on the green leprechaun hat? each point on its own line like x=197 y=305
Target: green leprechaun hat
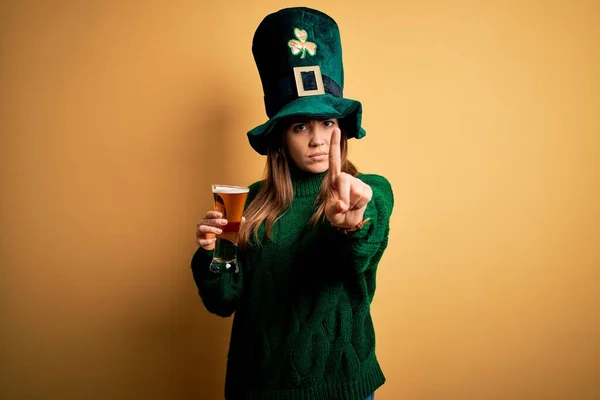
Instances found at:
x=298 y=53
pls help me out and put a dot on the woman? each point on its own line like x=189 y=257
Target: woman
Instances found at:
x=314 y=231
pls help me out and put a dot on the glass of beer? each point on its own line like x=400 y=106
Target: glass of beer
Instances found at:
x=229 y=201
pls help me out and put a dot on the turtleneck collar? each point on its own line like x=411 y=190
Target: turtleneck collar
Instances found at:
x=306 y=183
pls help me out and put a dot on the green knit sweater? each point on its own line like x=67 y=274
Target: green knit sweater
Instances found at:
x=302 y=328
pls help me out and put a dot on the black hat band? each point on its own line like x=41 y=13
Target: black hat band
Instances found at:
x=286 y=90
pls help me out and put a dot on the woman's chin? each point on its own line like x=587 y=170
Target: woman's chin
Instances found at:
x=312 y=165
x=315 y=168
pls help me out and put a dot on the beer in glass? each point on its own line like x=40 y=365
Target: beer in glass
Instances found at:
x=229 y=201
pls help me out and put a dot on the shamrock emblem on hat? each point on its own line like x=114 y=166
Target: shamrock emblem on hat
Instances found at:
x=301 y=45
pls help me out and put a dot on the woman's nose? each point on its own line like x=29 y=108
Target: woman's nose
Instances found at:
x=318 y=137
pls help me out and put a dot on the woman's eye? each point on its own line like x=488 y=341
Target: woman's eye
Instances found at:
x=299 y=127
x=328 y=123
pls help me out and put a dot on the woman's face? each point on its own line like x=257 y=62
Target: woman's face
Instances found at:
x=307 y=142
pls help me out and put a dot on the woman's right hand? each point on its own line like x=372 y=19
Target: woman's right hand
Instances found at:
x=208 y=228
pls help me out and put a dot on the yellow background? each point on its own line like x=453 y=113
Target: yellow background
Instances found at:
x=117 y=116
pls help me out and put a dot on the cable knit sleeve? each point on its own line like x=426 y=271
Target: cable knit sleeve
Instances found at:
x=220 y=293
x=360 y=251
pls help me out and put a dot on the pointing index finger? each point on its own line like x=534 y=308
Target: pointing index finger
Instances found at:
x=335 y=155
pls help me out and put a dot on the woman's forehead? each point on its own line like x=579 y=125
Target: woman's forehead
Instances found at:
x=305 y=119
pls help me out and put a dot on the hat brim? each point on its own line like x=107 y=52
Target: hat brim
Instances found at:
x=314 y=107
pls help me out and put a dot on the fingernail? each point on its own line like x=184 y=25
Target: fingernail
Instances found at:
x=219 y=231
x=224 y=222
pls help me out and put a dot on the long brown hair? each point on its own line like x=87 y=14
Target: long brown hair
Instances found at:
x=276 y=192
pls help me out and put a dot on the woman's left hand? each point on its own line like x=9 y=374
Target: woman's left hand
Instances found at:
x=349 y=195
